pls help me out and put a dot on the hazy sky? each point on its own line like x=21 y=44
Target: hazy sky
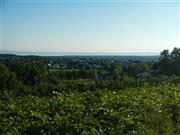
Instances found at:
x=103 y=26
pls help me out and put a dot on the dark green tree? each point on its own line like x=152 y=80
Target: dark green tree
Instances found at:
x=8 y=80
x=169 y=63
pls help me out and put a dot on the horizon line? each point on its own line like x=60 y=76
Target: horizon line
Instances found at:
x=78 y=52
x=43 y=53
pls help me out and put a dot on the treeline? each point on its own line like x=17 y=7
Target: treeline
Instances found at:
x=33 y=75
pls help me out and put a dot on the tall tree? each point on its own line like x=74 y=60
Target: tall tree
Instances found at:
x=169 y=63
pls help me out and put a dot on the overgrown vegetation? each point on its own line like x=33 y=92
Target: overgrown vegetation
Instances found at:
x=146 y=110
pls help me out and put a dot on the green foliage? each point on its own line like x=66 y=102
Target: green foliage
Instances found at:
x=139 y=111
x=8 y=81
x=169 y=63
x=89 y=96
x=30 y=73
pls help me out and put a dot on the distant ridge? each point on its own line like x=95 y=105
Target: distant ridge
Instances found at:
x=75 y=53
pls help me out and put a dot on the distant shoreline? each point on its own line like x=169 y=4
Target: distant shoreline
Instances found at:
x=74 y=54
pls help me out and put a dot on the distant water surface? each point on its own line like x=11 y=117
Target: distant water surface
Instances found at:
x=76 y=54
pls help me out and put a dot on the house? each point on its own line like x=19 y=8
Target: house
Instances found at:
x=96 y=66
x=144 y=74
x=55 y=66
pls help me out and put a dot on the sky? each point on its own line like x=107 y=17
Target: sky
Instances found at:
x=90 y=26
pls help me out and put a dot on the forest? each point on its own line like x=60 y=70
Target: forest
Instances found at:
x=90 y=95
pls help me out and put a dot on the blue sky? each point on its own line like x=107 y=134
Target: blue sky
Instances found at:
x=90 y=26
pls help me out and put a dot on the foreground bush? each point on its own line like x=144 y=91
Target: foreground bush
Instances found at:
x=139 y=111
